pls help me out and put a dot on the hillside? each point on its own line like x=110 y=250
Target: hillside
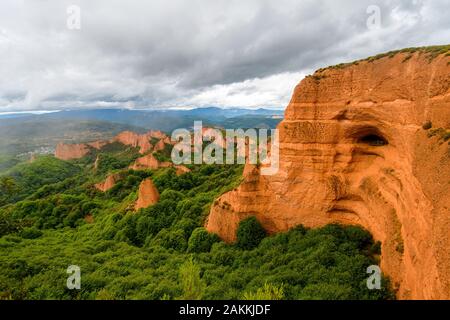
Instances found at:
x=88 y=217
x=40 y=135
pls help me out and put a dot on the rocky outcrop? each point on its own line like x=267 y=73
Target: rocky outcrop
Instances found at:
x=76 y=151
x=110 y=182
x=97 y=144
x=149 y=162
x=71 y=151
x=180 y=169
x=128 y=138
x=141 y=141
x=148 y=195
x=157 y=134
x=96 y=163
x=353 y=151
x=160 y=145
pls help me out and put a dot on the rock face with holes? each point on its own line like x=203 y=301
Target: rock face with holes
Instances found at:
x=353 y=151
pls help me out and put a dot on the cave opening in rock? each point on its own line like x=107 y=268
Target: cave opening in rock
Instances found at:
x=373 y=140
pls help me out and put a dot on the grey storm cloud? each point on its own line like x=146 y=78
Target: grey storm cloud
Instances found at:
x=144 y=54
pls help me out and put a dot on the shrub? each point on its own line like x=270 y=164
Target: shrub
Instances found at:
x=171 y=195
x=267 y=292
x=107 y=163
x=427 y=125
x=250 y=233
x=376 y=248
x=173 y=239
x=187 y=226
x=446 y=136
x=30 y=233
x=193 y=286
x=201 y=241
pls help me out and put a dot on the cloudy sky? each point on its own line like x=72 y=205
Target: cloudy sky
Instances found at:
x=157 y=54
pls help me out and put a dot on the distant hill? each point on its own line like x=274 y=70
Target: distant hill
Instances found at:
x=28 y=132
x=41 y=134
x=14 y=115
x=168 y=119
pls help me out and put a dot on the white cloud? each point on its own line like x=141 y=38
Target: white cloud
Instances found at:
x=157 y=53
x=272 y=91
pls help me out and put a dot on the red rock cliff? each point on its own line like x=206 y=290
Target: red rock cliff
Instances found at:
x=142 y=141
x=71 y=151
x=353 y=151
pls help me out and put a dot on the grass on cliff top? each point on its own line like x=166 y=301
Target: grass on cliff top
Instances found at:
x=432 y=52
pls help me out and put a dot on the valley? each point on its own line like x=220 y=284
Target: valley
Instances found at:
x=137 y=232
x=361 y=183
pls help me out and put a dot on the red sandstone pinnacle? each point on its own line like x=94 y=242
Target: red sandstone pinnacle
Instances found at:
x=335 y=167
x=148 y=195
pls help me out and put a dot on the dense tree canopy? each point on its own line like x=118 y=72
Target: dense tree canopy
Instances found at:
x=162 y=252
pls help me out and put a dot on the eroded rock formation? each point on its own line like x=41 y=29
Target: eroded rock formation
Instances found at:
x=109 y=182
x=71 y=151
x=180 y=169
x=141 y=141
x=148 y=194
x=353 y=151
x=160 y=145
x=128 y=138
x=149 y=162
x=97 y=144
x=75 y=151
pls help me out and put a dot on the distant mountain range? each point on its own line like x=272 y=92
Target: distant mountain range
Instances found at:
x=165 y=120
x=26 y=132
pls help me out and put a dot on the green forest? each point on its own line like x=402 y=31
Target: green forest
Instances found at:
x=52 y=216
